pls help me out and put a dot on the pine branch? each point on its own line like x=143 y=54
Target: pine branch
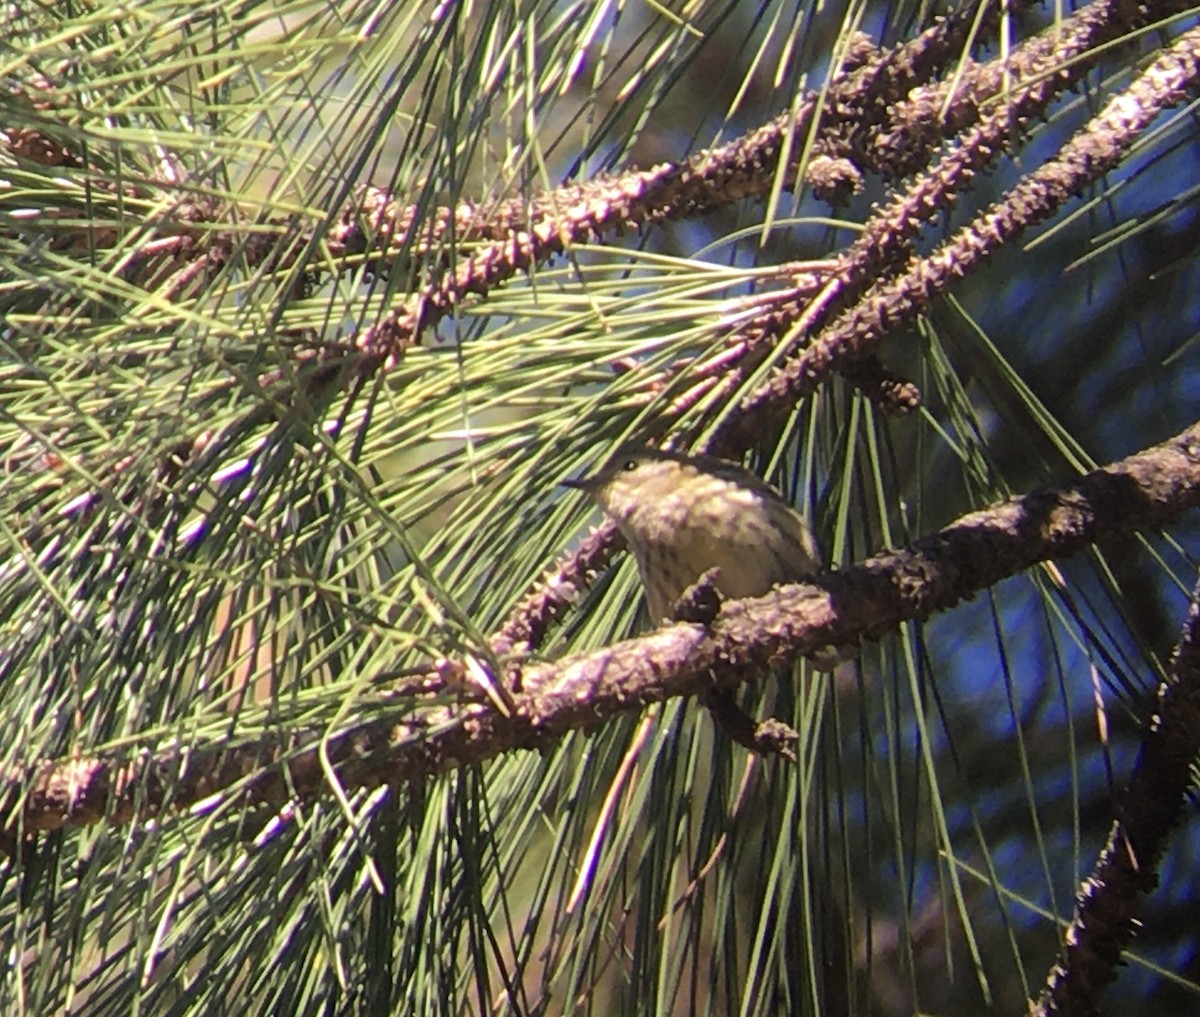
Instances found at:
x=856 y=334
x=1094 y=151
x=1151 y=806
x=1144 y=491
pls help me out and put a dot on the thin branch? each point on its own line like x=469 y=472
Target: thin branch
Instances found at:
x=1106 y=908
x=1143 y=491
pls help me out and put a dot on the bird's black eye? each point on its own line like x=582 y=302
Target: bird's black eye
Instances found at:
x=629 y=465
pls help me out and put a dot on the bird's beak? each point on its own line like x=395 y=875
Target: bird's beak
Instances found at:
x=583 y=484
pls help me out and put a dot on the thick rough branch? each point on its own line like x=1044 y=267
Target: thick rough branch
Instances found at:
x=580 y=692
x=1106 y=907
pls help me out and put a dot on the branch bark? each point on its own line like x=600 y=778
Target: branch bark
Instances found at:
x=579 y=692
x=1106 y=907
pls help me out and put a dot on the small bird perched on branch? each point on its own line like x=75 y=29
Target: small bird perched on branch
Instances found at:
x=683 y=516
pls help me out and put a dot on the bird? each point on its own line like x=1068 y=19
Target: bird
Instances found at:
x=684 y=515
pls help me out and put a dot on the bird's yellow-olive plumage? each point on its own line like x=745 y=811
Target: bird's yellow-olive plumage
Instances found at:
x=683 y=515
